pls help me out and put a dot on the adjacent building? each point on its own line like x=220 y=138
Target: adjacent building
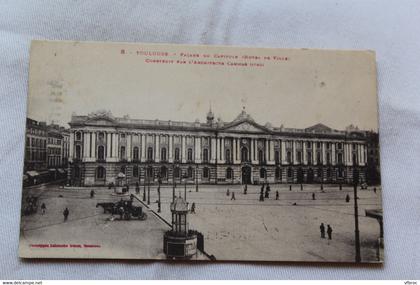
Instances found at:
x=104 y=147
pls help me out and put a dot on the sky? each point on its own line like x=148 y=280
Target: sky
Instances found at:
x=336 y=88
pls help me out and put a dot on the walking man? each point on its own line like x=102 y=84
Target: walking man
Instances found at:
x=233 y=196
x=322 y=229
x=277 y=195
x=92 y=194
x=227 y=192
x=313 y=196
x=66 y=213
x=347 y=198
x=245 y=189
x=261 y=197
x=374 y=190
x=43 y=208
x=290 y=187
x=329 y=232
x=193 y=208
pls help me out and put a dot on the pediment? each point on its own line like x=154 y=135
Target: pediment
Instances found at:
x=246 y=127
x=101 y=122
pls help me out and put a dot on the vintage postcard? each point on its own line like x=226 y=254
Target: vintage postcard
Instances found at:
x=160 y=151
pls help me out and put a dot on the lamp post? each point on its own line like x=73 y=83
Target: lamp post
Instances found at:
x=144 y=185
x=185 y=186
x=356 y=216
x=158 y=190
x=148 y=189
x=196 y=179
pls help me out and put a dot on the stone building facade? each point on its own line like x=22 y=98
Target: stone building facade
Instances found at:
x=103 y=147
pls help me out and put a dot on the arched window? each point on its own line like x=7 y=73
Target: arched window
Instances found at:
x=277 y=157
x=176 y=154
x=101 y=152
x=278 y=173
x=78 y=151
x=136 y=153
x=190 y=172
x=309 y=157
x=190 y=154
x=228 y=158
x=263 y=173
x=100 y=172
x=328 y=158
x=135 y=171
x=76 y=172
x=78 y=136
x=318 y=157
x=176 y=172
x=206 y=173
x=122 y=152
x=163 y=172
x=149 y=153
x=260 y=156
x=101 y=136
x=229 y=173
x=205 y=155
x=340 y=158
x=289 y=173
x=289 y=157
x=163 y=154
x=299 y=157
x=244 y=154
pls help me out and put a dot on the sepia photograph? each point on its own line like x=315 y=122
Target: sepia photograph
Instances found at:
x=201 y=153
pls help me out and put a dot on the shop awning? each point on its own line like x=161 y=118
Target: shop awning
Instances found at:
x=32 y=173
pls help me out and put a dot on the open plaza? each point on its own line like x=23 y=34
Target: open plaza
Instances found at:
x=243 y=228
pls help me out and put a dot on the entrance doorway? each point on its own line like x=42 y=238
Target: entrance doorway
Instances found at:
x=246 y=175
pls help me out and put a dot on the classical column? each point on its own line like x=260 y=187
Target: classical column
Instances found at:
x=314 y=154
x=359 y=154
x=324 y=153
x=213 y=153
x=115 y=145
x=71 y=154
x=304 y=153
x=128 y=147
x=197 y=150
x=251 y=156
x=143 y=147
x=183 y=158
x=271 y=146
x=108 y=145
x=93 y=145
x=283 y=152
x=157 y=148
x=222 y=152
x=333 y=158
x=170 y=155
x=294 y=160
x=266 y=150
x=235 y=148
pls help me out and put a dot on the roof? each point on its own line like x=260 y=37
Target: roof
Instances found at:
x=243 y=123
x=179 y=205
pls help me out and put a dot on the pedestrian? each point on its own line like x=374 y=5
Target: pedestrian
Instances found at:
x=121 y=212
x=290 y=187
x=66 y=213
x=277 y=195
x=193 y=208
x=347 y=198
x=329 y=232
x=227 y=192
x=322 y=229
x=92 y=194
x=233 y=196
x=313 y=196
x=268 y=189
x=374 y=190
x=43 y=208
x=341 y=187
x=301 y=187
x=261 y=197
x=245 y=189
x=262 y=189
x=267 y=194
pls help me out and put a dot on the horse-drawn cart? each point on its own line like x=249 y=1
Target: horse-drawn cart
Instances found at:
x=124 y=209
